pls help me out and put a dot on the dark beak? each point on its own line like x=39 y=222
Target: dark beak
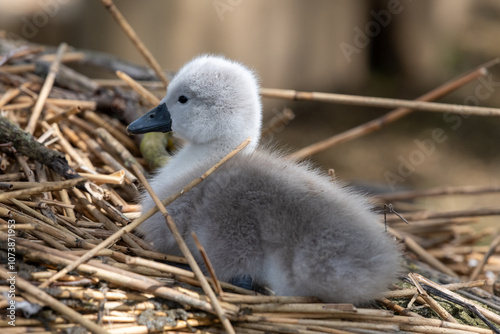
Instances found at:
x=156 y=120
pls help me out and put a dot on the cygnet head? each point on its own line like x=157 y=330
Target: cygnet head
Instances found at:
x=210 y=100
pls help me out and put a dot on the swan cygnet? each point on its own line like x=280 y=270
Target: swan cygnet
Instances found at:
x=283 y=223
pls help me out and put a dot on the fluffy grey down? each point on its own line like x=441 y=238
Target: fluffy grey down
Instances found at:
x=284 y=223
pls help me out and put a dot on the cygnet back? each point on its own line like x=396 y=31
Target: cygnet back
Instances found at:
x=287 y=226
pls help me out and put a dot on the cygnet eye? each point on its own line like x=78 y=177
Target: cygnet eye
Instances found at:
x=182 y=99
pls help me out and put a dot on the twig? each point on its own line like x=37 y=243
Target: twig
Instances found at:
x=34 y=213
x=451 y=287
x=129 y=31
x=20 y=227
x=113 y=64
x=20 y=52
x=45 y=225
x=226 y=286
x=118 y=234
x=252 y=299
x=390 y=208
x=68 y=78
x=97 y=214
x=141 y=78
x=380 y=102
x=406 y=323
x=6 y=186
x=390 y=117
x=477 y=309
x=263 y=327
x=11 y=94
x=120 y=136
x=89 y=105
x=16 y=185
x=208 y=264
x=157 y=256
x=65 y=204
x=28 y=146
x=36 y=190
x=47 y=86
x=431 y=302
x=316 y=308
x=107 y=158
x=492 y=303
x=21 y=160
x=422 y=215
x=76 y=141
x=470 y=307
x=328 y=323
x=493 y=245
x=66 y=146
x=153 y=100
x=115 y=178
x=53 y=303
x=179 y=325
x=111 y=274
x=119 y=149
x=397 y=308
x=19 y=69
x=59 y=117
x=187 y=253
x=439 y=191
x=432 y=225
x=42 y=231
x=422 y=253
x=138 y=261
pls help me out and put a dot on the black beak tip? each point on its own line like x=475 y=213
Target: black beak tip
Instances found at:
x=156 y=120
x=131 y=129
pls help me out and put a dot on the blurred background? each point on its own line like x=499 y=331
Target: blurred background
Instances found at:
x=396 y=48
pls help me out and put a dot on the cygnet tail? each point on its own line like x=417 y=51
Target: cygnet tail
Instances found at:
x=337 y=271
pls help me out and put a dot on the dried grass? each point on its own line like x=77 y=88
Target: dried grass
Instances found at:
x=76 y=254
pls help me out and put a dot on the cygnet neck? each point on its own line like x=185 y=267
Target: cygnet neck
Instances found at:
x=215 y=150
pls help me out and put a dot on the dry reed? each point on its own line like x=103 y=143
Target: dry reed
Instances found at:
x=77 y=248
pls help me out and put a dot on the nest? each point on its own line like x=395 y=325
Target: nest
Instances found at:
x=71 y=262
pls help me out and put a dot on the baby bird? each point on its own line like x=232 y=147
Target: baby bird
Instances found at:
x=281 y=222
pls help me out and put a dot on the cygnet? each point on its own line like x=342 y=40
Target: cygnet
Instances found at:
x=283 y=223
